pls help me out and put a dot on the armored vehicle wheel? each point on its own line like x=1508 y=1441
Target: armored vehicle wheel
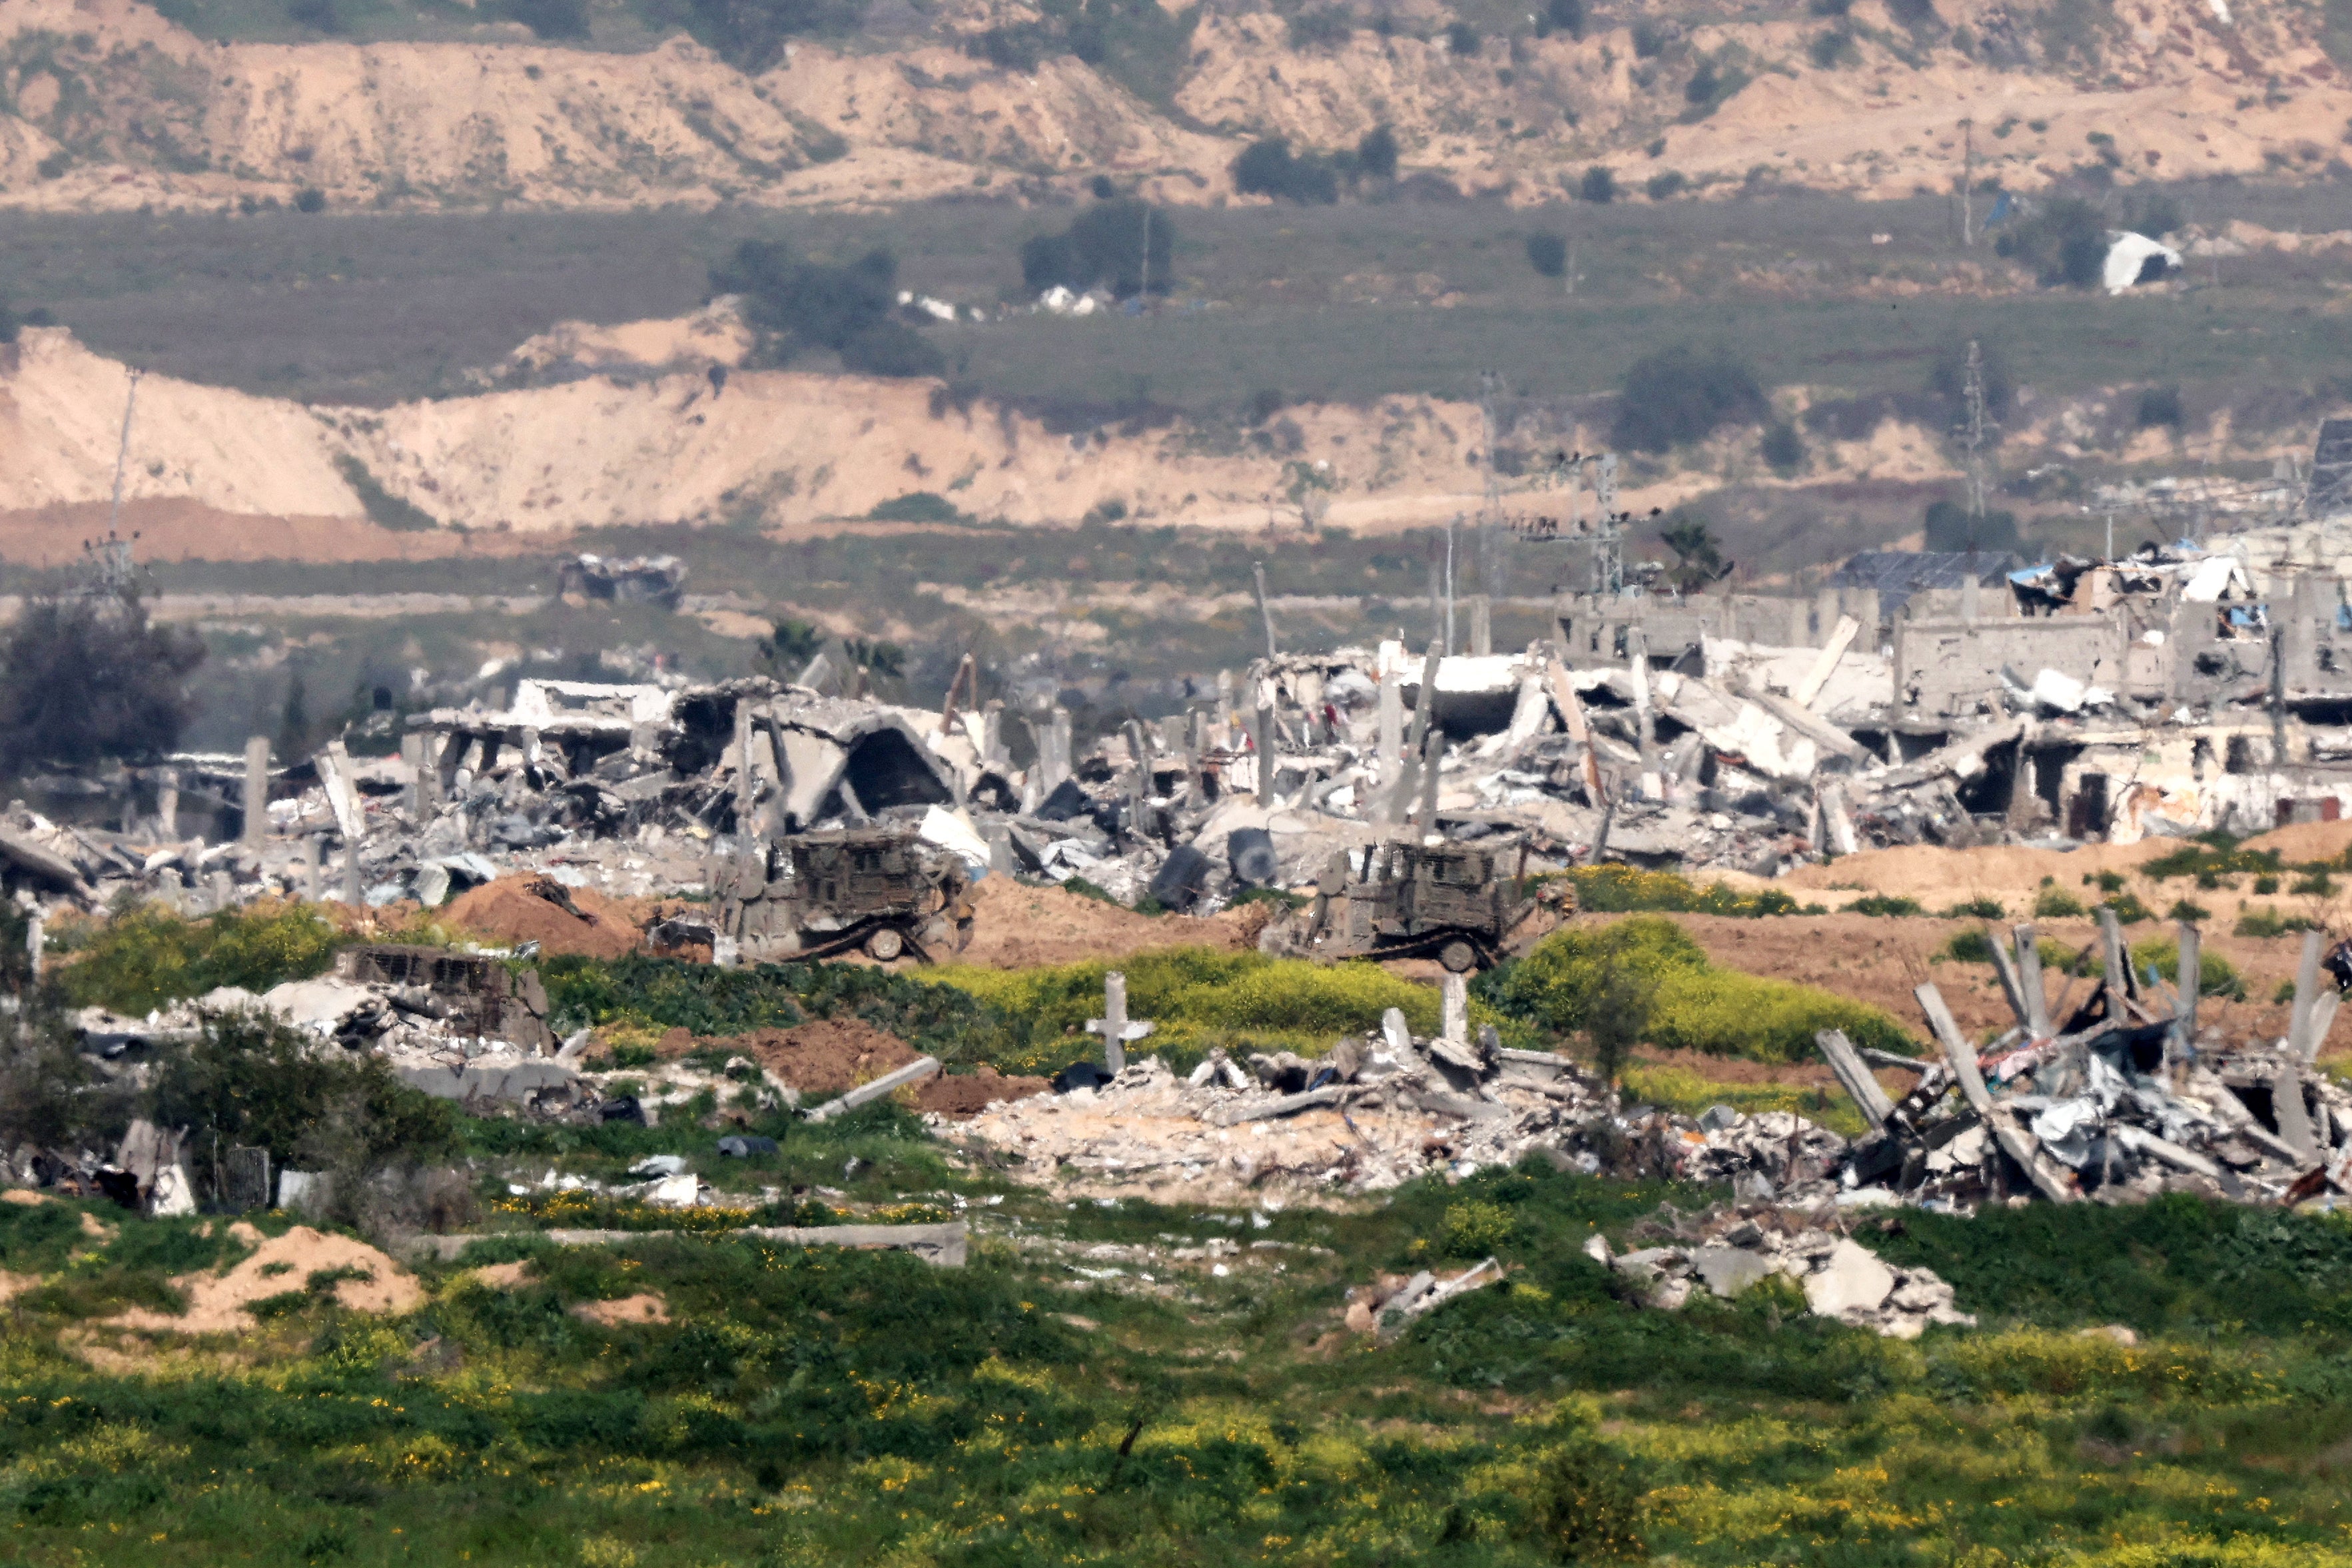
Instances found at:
x=1458 y=957
x=884 y=944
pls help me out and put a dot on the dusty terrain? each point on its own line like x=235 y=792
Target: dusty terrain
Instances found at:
x=124 y=110
x=220 y=475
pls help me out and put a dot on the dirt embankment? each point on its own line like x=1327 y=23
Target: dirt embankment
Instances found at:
x=1018 y=926
x=115 y=108
x=509 y=912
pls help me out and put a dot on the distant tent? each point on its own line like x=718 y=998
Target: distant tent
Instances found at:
x=2134 y=258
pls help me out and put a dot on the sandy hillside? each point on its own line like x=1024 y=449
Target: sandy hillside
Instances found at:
x=124 y=110
x=779 y=448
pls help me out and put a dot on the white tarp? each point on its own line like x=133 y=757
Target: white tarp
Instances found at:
x=2212 y=578
x=2127 y=256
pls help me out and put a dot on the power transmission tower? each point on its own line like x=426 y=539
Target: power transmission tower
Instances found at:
x=1490 y=515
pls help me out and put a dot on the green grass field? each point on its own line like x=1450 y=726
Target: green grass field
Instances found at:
x=821 y=1407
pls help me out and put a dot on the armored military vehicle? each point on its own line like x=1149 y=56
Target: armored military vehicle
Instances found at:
x=1455 y=902
x=882 y=891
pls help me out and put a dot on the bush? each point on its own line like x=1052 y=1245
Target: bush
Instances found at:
x=915 y=506
x=1376 y=154
x=310 y=199
x=2058 y=904
x=87 y=679
x=2216 y=976
x=2065 y=243
x=751 y=35
x=2268 y=922
x=148 y=957
x=1620 y=890
x=1664 y=185
x=1680 y=396
x=1695 y=1007
x=796 y=306
x=1881 y=904
x=549 y=18
x=1324 y=29
x=1562 y=17
x=1268 y=168
x=1547 y=254
x=1195 y=997
x=1461 y=39
x=1834 y=48
x=318 y=16
x=1598 y=185
x=1950 y=528
x=1105 y=243
x=1588 y=1506
x=55 y=165
x=1979 y=908
x=1783 y=447
x=11 y=323
x=248 y=1079
x=2160 y=407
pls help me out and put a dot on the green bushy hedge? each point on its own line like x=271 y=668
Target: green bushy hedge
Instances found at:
x=148 y=956
x=1694 y=1006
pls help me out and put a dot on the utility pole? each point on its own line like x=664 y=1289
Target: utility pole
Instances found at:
x=1967 y=183
x=1143 y=295
x=123 y=452
x=1452 y=525
x=1972 y=436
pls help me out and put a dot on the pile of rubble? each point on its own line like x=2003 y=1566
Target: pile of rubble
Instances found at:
x=1727 y=1251
x=2121 y=1099
x=1376 y=1112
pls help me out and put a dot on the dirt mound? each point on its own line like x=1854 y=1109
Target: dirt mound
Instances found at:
x=969 y=1094
x=825 y=1056
x=508 y=912
x=217 y=1302
x=2306 y=841
x=1018 y=925
x=1940 y=879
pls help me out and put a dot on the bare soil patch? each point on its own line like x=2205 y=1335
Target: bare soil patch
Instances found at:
x=1017 y=926
x=647 y=1308
x=966 y=1095
x=217 y=1303
x=827 y=1056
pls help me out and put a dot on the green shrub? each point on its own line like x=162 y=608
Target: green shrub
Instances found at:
x=1477 y=1229
x=1979 y=908
x=1269 y=167
x=1694 y=1006
x=1195 y=997
x=1881 y=904
x=1621 y=889
x=2128 y=909
x=148 y=956
x=2058 y=904
x=1598 y=186
x=2267 y=922
x=248 y=1079
x=2200 y=860
x=1680 y=396
x=1105 y=243
x=797 y=306
x=1547 y=253
x=1588 y=1506
x=2182 y=909
x=2216 y=976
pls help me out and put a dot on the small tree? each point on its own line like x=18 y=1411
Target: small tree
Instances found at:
x=85 y=677
x=1598 y=185
x=1463 y=39
x=797 y=306
x=1698 y=554
x=1547 y=253
x=785 y=651
x=294 y=719
x=1562 y=17
x=1617 y=1018
x=1680 y=394
x=1587 y=1505
x=1376 y=154
x=1269 y=168
x=1783 y=447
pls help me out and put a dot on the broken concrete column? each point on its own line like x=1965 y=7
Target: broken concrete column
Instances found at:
x=412 y=751
x=2181 y=1046
x=1801 y=624
x=1862 y=604
x=1457 y=993
x=1969 y=592
x=167 y=805
x=256 y=791
x=354 y=893
x=1825 y=616
x=36 y=943
x=2306 y=995
x=1432 y=753
x=312 y=886
x=1482 y=625
x=1262 y=723
x=1391 y=722
x=1114 y=1018
x=746 y=782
